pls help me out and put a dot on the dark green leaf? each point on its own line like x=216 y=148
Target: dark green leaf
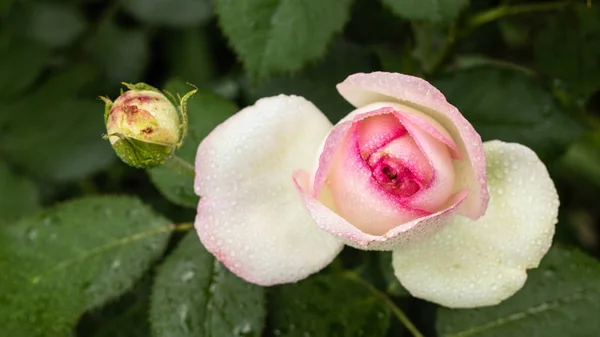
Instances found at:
x=170 y=12
x=131 y=323
x=195 y=295
x=583 y=159
x=126 y=317
x=59 y=263
x=273 y=37
x=574 y=63
x=393 y=286
x=561 y=298
x=55 y=24
x=510 y=106
x=192 y=59
x=430 y=10
x=123 y=54
x=5 y=7
x=430 y=44
x=317 y=83
x=18 y=195
x=205 y=111
x=21 y=62
x=53 y=135
x=328 y=306
x=516 y=34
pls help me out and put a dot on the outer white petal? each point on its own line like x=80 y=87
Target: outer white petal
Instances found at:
x=472 y=263
x=250 y=215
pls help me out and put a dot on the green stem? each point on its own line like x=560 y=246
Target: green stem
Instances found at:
x=180 y=165
x=393 y=307
x=488 y=16
x=183 y=227
x=506 y=10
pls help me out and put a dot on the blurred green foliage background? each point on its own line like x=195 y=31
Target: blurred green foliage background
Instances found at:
x=523 y=71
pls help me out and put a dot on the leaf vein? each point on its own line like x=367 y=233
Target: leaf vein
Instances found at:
x=99 y=250
x=532 y=311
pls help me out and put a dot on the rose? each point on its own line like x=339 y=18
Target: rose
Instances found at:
x=282 y=191
x=143 y=125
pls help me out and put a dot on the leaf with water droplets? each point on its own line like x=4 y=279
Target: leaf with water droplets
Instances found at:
x=560 y=298
x=205 y=112
x=18 y=195
x=195 y=295
x=325 y=306
x=77 y=256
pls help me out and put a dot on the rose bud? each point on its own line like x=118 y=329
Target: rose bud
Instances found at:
x=144 y=126
x=283 y=190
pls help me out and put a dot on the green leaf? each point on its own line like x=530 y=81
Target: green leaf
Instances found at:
x=583 y=159
x=328 y=306
x=393 y=286
x=273 y=37
x=195 y=295
x=174 y=13
x=19 y=195
x=508 y=105
x=515 y=33
x=21 y=63
x=54 y=24
x=193 y=59
x=61 y=262
x=53 y=135
x=123 y=54
x=560 y=298
x=317 y=83
x=5 y=7
x=126 y=317
x=205 y=111
x=430 y=10
x=430 y=44
x=131 y=323
x=574 y=63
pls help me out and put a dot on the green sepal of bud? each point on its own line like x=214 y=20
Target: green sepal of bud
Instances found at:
x=144 y=126
x=140 y=154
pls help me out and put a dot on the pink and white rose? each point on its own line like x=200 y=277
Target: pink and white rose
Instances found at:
x=283 y=190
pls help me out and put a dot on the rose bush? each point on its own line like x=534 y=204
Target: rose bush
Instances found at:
x=282 y=192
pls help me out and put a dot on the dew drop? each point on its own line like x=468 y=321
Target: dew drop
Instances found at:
x=115 y=264
x=32 y=234
x=187 y=276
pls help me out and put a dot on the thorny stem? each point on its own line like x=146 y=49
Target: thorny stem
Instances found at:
x=393 y=307
x=180 y=166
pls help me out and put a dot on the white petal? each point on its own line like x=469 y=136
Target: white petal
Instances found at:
x=250 y=215
x=472 y=263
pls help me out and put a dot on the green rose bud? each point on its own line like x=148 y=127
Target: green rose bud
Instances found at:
x=144 y=126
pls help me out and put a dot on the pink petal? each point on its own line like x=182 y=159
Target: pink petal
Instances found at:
x=401 y=234
x=358 y=197
x=377 y=131
x=435 y=194
x=362 y=89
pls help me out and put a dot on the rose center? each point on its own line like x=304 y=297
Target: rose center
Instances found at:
x=394 y=177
